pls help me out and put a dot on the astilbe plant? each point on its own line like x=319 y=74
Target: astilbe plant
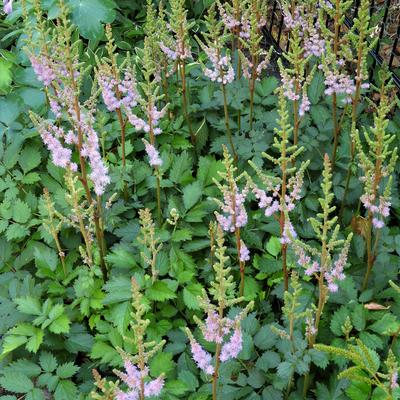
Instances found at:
x=150 y=242
x=304 y=43
x=176 y=47
x=118 y=88
x=366 y=368
x=55 y=59
x=293 y=315
x=257 y=59
x=220 y=67
x=279 y=194
x=320 y=262
x=377 y=162
x=234 y=215
x=136 y=376
x=224 y=332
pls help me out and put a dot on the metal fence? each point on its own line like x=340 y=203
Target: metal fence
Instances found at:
x=385 y=15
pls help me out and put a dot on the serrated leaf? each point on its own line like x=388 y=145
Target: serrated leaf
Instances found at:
x=190 y=295
x=319 y=358
x=192 y=194
x=181 y=166
x=29 y=305
x=88 y=15
x=16 y=382
x=16 y=232
x=5 y=75
x=161 y=363
x=67 y=370
x=47 y=361
x=338 y=319
x=21 y=211
x=29 y=158
x=387 y=325
x=268 y=360
x=285 y=370
x=60 y=325
x=66 y=390
x=160 y=291
x=181 y=235
x=273 y=246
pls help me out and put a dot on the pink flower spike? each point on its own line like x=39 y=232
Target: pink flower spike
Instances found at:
x=202 y=358
x=154 y=387
x=153 y=154
x=232 y=348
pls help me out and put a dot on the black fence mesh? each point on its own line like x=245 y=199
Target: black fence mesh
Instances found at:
x=385 y=15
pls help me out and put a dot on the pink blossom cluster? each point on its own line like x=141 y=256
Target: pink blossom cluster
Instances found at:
x=43 y=69
x=313 y=44
x=91 y=151
x=217 y=330
x=288 y=232
x=244 y=253
x=178 y=51
x=289 y=89
x=153 y=116
x=339 y=83
x=127 y=88
x=304 y=105
x=247 y=67
x=221 y=70
x=311 y=330
x=336 y=273
x=294 y=21
x=393 y=380
x=7 y=6
x=153 y=154
x=333 y=275
x=52 y=136
x=379 y=210
x=235 y=215
x=133 y=379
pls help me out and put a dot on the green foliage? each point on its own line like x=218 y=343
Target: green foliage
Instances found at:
x=63 y=313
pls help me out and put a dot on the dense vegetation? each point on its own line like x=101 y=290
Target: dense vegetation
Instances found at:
x=185 y=214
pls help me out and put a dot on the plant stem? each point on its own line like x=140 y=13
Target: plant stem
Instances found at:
x=184 y=101
x=227 y=127
x=282 y=217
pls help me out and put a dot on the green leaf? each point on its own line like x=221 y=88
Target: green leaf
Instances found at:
x=208 y=170
x=35 y=394
x=29 y=159
x=46 y=258
x=16 y=232
x=176 y=387
x=273 y=246
x=319 y=358
x=160 y=292
x=21 y=211
x=12 y=342
x=66 y=390
x=316 y=87
x=29 y=305
x=10 y=108
x=387 y=325
x=16 y=382
x=268 y=360
x=60 y=325
x=358 y=390
x=251 y=288
x=5 y=75
x=338 y=319
x=67 y=370
x=47 y=361
x=265 y=338
x=285 y=370
x=181 y=235
x=181 y=167
x=88 y=15
x=190 y=295
x=161 y=363
x=191 y=194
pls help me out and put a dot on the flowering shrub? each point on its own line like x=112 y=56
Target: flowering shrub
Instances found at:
x=187 y=214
